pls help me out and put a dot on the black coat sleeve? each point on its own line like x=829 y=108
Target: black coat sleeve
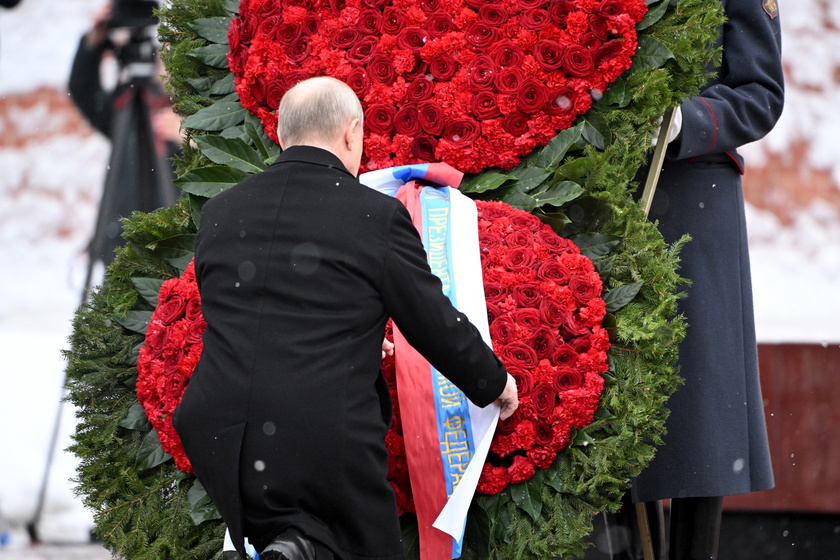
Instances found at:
x=414 y=298
x=744 y=101
x=85 y=87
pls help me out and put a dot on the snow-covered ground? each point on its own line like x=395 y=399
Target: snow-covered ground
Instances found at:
x=50 y=185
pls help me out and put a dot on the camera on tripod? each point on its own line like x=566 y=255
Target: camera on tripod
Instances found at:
x=132 y=26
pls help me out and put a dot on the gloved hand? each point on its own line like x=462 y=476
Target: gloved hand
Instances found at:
x=676 y=127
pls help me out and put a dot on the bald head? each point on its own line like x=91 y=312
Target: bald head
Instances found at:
x=315 y=111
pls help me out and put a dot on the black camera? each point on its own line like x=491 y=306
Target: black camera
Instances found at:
x=135 y=14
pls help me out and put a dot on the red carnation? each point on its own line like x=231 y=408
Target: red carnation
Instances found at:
x=521 y=469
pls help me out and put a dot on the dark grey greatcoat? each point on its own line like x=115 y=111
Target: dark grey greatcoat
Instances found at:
x=299 y=267
x=716 y=443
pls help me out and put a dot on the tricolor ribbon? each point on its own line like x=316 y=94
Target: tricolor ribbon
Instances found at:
x=447 y=437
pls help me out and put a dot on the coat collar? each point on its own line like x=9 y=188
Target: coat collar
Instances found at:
x=313 y=155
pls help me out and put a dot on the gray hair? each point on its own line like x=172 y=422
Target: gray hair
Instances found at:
x=316 y=110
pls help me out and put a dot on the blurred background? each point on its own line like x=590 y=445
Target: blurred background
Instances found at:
x=54 y=165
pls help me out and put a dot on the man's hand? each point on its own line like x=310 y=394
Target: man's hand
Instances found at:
x=387 y=348
x=509 y=399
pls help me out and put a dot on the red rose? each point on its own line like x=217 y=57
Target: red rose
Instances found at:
x=548 y=54
x=544 y=397
x=430 y=6
x=363 y=50
x=555 y=243
x=567 y=378
x=439 y=24
x=544 y=342
x=195 y=331
x=508 y=80
x=359 y=81
x=482 y=72
x=192 y=312
x=379 y=118
x=506 y=53
x=484 y=106
x=564 y=355
x=532 y=95
x=289 y=33
x=443 y=67
x=495 y=292
x=345 y=38
x=561 y=100
x=172 y=309
x=553 y=271
x=423 y=147
x=393 y=20
x=521 y=469
x=431 y=118
x=412 y=38
x=479 y=35
x=584 y=289
x=406 y=121
x=524 y=382
x=488 y=240
x=381 y=70
x=609 y=8
x=374 y=3
x=543 y=435
x=420 y=89
x=575 y=327
x=311 y=24
x=298 y=51
x=493 y=312
x=268 y=28
x=534 y=20
x=527 y=294
x=369 y=22
x=518 y=354
x=554 y=313
x=598 y=27
x=493 y=15
x=234 y=35
x=503 y=330
x=607 y=51
x=578 y=62
x=520 y=238
x=461 y=133
x=419 y=69
x=518 y=259
x=527 y=318
x=531 y=4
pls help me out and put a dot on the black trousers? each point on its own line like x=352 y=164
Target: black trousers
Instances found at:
x=689 y=530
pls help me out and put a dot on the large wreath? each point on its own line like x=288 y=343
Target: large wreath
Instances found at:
x=579 y=181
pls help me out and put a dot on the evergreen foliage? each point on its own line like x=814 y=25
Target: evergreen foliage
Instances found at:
x=582 y=183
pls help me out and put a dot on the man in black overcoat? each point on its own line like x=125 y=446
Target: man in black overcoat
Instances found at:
x=716 y=442
x=299 y=268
